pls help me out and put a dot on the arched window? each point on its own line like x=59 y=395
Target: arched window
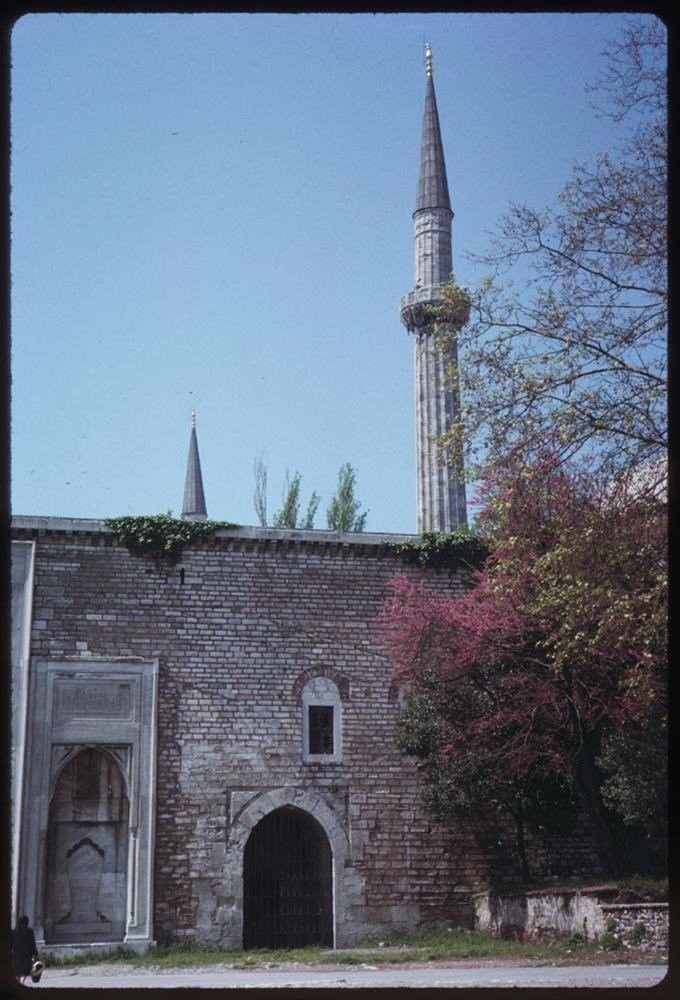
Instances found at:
x=321 y=721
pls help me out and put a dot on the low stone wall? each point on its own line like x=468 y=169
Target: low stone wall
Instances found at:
x=570 y=911
x=642 y=924
x=539 y=914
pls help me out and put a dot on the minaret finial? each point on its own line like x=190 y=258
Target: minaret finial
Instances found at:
x=428 y=59
x=193 y=418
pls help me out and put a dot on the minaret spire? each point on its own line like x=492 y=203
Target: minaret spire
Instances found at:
x=433 y=189
x=194 y=508
x=441 y=484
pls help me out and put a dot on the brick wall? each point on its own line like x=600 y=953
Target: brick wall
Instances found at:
x=235 y=626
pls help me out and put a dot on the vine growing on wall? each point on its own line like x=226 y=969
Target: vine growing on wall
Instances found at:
x=444 y=549
x=161 y=537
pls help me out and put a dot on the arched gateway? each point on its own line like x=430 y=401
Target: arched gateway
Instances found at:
x=287 y=882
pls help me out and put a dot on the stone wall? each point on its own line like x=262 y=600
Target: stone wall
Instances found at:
x=570 y=911
x=642 y=925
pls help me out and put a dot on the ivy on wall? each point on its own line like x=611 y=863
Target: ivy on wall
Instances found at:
x=444 y=549
x=161 y=537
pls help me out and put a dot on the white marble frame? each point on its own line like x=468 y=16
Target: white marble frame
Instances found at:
x=23 y=560
x=47 y=731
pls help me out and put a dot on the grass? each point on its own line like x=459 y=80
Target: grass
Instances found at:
x=439 y=944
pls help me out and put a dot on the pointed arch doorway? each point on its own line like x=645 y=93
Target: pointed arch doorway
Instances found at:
x=287 y=883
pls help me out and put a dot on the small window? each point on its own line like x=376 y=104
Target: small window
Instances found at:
x=321 y=719
x=321 y=729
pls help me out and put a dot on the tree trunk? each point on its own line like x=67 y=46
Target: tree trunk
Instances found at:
x=588 y=792
x=516 y=810
x=521 y=844
x=587 y=783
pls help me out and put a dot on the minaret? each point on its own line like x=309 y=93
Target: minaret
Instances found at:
x=193 y=507
x=441 y=484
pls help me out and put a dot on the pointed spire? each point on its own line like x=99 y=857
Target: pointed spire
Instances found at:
x=194 y=507
x=433 y=189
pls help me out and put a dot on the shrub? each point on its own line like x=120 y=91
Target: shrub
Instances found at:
x=638 y=933
x=576 y=939
x=610 y=942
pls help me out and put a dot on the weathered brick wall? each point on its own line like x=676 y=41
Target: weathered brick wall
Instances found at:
x=250 y=617
x=235 y=626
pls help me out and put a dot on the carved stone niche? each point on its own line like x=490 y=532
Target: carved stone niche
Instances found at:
x=87 y=849
x=62 y=754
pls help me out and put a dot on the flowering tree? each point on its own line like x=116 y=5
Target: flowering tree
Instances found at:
x=546 y=680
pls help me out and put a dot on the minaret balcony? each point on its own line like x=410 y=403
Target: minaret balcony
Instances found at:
x=418 y=308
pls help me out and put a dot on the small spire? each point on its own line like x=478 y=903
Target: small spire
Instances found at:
x=428 y=59
x=194 y=507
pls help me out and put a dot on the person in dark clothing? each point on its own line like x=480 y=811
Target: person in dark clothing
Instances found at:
x=24 y=951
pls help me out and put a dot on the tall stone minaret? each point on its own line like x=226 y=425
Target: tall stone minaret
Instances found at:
x=194 y=507
x=441 y=485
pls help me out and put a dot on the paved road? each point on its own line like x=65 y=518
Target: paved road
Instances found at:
x=364 y=976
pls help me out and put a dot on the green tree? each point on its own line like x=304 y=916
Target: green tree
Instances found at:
x=572 y=349
x=289 y=515
x=260 y=492
x=343 y=510
x=312 y=507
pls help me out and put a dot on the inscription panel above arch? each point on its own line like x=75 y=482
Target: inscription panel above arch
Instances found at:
x=94 y=698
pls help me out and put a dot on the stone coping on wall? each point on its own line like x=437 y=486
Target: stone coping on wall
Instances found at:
x=601 y=890
x=586 y=890
x=557 y=889
x=637 y=905
x=28 y=522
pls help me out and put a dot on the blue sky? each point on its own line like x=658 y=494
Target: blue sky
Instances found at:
x=213 y=212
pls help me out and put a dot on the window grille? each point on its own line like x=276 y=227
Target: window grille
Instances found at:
x=321 y=729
